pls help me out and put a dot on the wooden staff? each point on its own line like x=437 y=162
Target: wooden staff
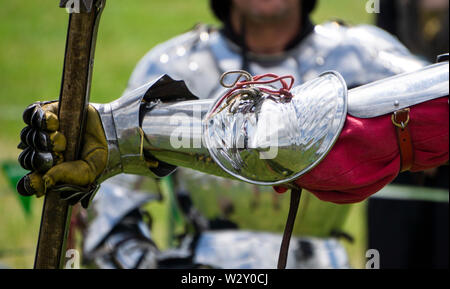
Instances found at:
x=73 y=101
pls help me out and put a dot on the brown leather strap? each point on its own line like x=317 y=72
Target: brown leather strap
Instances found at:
x=296 y=194
x=400 y=119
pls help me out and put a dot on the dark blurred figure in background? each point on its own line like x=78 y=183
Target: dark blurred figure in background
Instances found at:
x=409 y=226
x=421 y=25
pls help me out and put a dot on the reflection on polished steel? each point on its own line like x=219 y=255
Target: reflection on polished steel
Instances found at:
x=266 y=140
x=230 y=249
x=275 y=142
x=120 y=120
x=272 y=140
x=246 y=205
x=173 y=133
x=400 y=91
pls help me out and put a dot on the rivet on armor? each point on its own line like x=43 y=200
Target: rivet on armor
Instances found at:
x=320 y=60
x=164 y=58
x=181 y=51
x=193 y=66
x=204 y=36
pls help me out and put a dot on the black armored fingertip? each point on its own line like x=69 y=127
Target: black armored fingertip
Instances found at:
x=42 y=161
x=25 y=158
x=41 y=141
x=23 y=187
x=29 y=137
x=24 y=133
x=28 y=112
x=29 y=159
x=22 y=145
x=38 y=118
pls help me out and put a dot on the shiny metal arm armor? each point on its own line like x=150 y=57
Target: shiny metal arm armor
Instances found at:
x=241 y=141
x=400 y=91
x=121 y=120
x=178 y=134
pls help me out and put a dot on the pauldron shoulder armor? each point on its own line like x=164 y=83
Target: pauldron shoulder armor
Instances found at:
x=361 y=54
x=185 y=57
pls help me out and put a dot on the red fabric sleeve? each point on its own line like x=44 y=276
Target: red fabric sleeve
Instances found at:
x=366 y=156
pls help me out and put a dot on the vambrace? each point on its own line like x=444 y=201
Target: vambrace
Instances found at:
x=254 y=135
x=122 y=121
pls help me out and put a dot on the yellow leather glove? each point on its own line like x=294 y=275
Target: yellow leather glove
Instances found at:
x=43 y=147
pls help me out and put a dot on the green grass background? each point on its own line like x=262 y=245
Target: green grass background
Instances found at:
x=32 y=39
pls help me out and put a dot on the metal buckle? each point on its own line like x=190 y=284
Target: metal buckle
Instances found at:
x=402 y=124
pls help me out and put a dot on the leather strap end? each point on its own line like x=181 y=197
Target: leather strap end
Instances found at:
x=400 y=119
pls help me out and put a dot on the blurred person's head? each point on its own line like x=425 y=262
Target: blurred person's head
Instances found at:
x=265 y=11
x=264 y=26
x=261 y=10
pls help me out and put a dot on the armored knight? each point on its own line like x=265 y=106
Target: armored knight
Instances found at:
x=362 y=108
